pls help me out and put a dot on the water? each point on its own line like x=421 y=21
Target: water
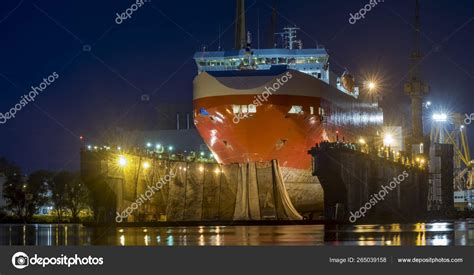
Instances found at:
x=430 y=234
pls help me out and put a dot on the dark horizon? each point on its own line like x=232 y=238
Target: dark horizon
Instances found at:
x=104 y=68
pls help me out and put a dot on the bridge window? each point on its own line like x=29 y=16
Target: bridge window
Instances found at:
x=244 y=109
x=301 y=60
x=295 y=109
x=321 y=111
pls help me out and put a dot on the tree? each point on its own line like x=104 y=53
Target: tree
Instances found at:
x=69 y=194
x=58 y=187
x=78 y=196
x=13 y=188
x=36 y=191
x=15 y=196
x=7 y=168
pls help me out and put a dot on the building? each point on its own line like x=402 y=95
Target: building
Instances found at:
x=464 y=200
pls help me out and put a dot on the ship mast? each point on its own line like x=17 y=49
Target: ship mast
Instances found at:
x=240 y=29
x=273 y=26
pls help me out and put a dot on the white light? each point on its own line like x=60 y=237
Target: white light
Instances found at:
x=170 y=148
x=122 y=161
x=148 y=144
x=371 y=85
x=440 y=117
x=388 y=140
x=158 y=146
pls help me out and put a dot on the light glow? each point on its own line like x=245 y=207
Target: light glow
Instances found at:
x=122 y=161
x=440 y=117
x=371 y=85
x=388 y=140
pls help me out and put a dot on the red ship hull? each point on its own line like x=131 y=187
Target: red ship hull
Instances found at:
x=272 y=132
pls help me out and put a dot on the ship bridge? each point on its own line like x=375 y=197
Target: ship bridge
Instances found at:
x=292 y=56
x=313 y=62
x=309 y=61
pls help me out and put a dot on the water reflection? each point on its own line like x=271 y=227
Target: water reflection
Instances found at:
x=421 y=234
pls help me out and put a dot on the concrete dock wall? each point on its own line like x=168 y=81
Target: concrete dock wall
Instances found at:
x=189 y=191
x=353 y=180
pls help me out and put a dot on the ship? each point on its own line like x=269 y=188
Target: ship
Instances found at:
x=257 y=105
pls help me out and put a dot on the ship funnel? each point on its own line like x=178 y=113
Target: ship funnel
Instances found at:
x=240 y=29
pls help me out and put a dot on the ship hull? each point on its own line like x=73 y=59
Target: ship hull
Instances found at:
x=269 y=134
x=272 y=131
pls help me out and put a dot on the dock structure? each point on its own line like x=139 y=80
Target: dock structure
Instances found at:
x=387 y=187
x=133 y=188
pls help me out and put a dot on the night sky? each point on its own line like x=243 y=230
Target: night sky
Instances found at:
x=104 y=68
